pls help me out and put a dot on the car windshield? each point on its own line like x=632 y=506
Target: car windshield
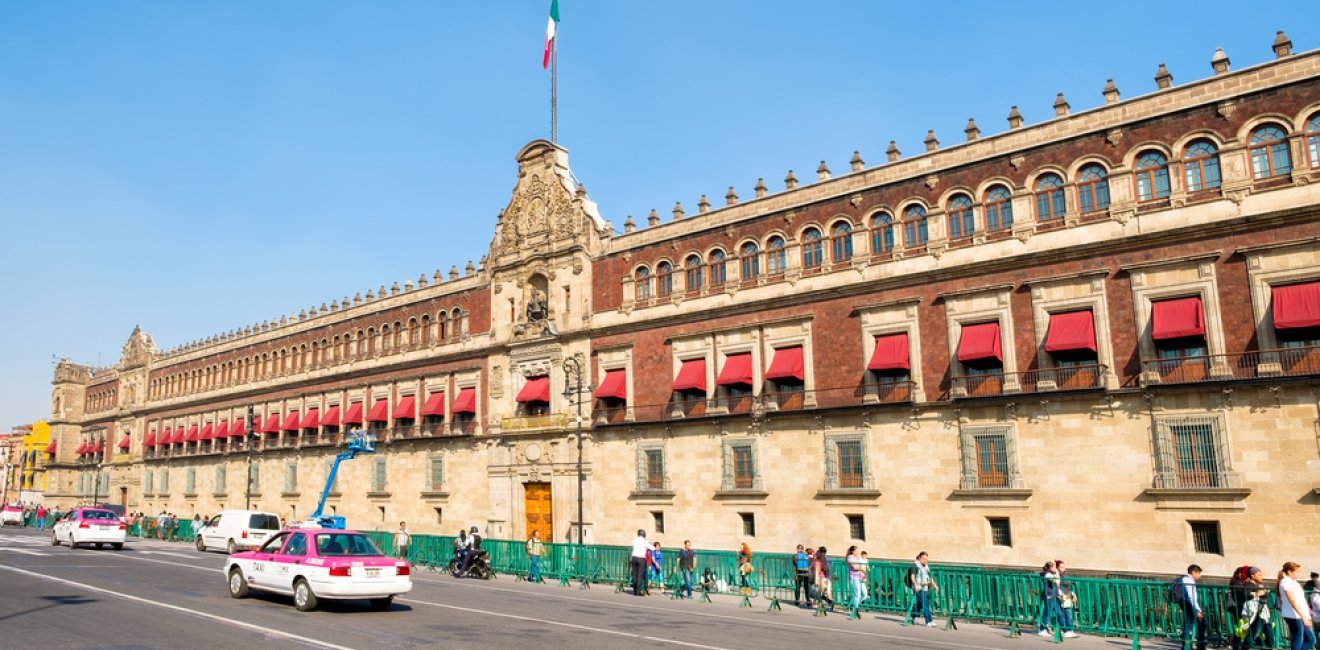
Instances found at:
x=339 y=544
x=264 y=522
x=100 y=514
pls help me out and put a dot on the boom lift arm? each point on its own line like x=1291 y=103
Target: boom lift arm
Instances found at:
x=359 y=442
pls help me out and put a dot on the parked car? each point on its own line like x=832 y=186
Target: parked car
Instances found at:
x=11 y=515
x=315 y=563
x=89 y=526
x=235 y=530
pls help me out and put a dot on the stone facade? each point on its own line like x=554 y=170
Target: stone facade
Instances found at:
x=729 y=350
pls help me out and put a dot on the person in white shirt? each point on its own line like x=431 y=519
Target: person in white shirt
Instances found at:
x=638 y=562
x=401 y=541
x=1193 y=616
x=1292 y=604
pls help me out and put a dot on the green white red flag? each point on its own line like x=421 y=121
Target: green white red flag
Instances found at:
x=550 y=33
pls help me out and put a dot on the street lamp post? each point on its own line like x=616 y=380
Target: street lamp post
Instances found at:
x=249 y=441
x=96 y=482
x=573 y=370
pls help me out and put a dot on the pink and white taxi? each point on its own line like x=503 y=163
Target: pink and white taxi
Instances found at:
x=311 y=564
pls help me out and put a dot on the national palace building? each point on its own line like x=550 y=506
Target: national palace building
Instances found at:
x=1095 y=337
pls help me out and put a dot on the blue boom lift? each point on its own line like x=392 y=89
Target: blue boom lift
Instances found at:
x=358 y=443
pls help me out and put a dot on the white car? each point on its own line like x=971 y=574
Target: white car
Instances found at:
x=11 y=515
x=237 y=530
x=314 y=563
x=89 y=526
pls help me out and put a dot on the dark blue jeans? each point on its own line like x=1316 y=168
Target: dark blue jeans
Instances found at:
x=687 y=581
x=1303 y=637
x=1190 y=624
x=922 y=603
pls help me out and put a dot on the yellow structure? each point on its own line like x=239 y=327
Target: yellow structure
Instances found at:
x=32 y=459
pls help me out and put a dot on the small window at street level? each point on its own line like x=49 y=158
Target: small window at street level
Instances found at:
x=748 y=524
x=1001 y=533
x=857 y=527
x=659 y=517
x=1205 y=537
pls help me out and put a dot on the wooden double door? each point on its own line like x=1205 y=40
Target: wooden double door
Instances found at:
x=538 y=505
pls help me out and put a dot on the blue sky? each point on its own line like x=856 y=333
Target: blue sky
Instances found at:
x=199 y=166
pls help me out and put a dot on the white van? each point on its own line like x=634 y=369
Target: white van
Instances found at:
x=235 y=530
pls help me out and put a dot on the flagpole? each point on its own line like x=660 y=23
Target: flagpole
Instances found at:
x=554 y=106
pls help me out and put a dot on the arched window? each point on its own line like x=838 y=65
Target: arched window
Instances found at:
x=998 y=209
x=1049 y=197
x=751 y=261
x=1152 y=176
x=445 y=330
x=841 y=242
x=914 y=226
x=1313 y=139
x=1269 y=152
x=457 y=317
x=642 y=280
x=718 y=273
x=962 y=222
x=776 y=259
x=811 y=249
x=1092 y=189
x=1201 y=166
x=664 y=279
x=882 y=233
x=692 y=273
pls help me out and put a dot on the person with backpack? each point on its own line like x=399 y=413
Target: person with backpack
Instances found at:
x=801 y=575
x=919 y=581
x=1251 y=609
x=1182 y=592
x=823 y=578
x=1050 y=616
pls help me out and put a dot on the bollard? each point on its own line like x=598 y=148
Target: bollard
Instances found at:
x=1136 y=641
x=950 y=625
x=1013 y=631
x=1058 y=634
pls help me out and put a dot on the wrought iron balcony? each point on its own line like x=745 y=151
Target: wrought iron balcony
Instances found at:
x=1263 y=364
x=1046 y=380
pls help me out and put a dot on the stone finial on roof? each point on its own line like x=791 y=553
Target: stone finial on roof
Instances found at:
x=1282 y=45
x=581 y=191
x=334 y=305
x=1163 y=79
x=703 y=204
x=1110 y=92
x=284 y=320
x=302 y=315
x=1219 y=62
x=653 y=219
x=394 y=289
x=823 y=172
x=857 y=163
x=760 y=188
x=357 y=298
x=678 y=210
x=381 y=292
x=1014 y=118
x=790 y=181
x=421 y=281
x=972 y=130
x=629 y=225
x=932 y=142
x=1060 y=106
x=453 y=272
x=892 y=153
x=370 y=296
x=408 y=285
x=471 y=268
x=731 y=197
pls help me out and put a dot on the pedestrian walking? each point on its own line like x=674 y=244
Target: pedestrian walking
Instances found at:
x=1050 y=616
x=919 y=581
x=1184 y=593
x=655 y=563
x=534 y=550
x=637 y=563
x=1067 y=602
x=41 y=517
x=1293 y=606
x=824 y=578
x=402 y=540
x=687 y=566
x=866 y=576
x=745 y=569
x=1251 y=611
x=856 y=573
x=801 y=576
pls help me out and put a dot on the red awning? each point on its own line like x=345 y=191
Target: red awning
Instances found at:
x=406 y=408
x=354 y=415
x=312 y=419
x=178 y=436
x=614 y=385
x=377 y=413
x=692 y=376
x=193 y=435
x=466 y=402
x=222 y=431
x=208 y=431
x=272 y=424
x=50 y=449
x=125 y=442
x=1073 y=330
x=331 y=417
x=1296 y=306
x=435 y=405
x=82 y=449
x=787 y=363
x=149 y=441
x=237 y=428
x=1177 y=318
x=980 y=341
x=891 y=353
x=537 y=389
x=100 y=446
x=291 y=421
x=737 y=370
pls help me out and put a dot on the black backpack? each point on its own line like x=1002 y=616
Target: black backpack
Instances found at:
x=1177 y=591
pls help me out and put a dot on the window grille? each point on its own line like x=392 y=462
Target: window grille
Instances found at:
x=1001 y=531
x=378 y=476
x=651 y=474
x=219 y=479
x=740 y=471
x=989 y=458
x=165 y=481
x=857 y=527
x=190 y=481
x=845 y=462
x=147 y=480
x=658 y=521
x=748 y=524
x=437 y=464
x=291 y=477
x=1205 y=537
x=1191 y=452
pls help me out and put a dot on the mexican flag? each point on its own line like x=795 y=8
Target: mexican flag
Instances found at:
x=550 y=33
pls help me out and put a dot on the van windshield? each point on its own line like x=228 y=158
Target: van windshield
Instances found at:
x=264 y=522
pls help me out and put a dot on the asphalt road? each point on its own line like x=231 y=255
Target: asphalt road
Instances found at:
x=162 y=595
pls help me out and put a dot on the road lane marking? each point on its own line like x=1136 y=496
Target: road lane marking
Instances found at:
x=574 y=626
x=22 y=551
x=169 y=553
x=157 y=604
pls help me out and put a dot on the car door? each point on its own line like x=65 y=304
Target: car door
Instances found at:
x=288 y=563
x=209 y=534
x=261 y=569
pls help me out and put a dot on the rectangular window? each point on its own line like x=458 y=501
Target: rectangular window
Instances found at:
x=856 y=527
x=845 y=462
x=989 y=458
x=1191 y=453
x=190 y=481
x=437 y=464
x=254 y=479
x=378 y=476
x=850 y=464
x=1205 y=537
x=147 y=479
x=740 y=466
x=219 y=479
x=991 y=461
x=1001 y=532
x=748 y=524
x=290 y=477
x=743 y=471
x=658 y=521
x=655 y=469
x=165 y=481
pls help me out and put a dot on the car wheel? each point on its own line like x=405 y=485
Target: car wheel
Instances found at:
x=303 y=598
x=118 y=546
x=382 y=604
x=232 y=547
x=238 y=586
x=201 y=546
x=73 y=543
x=54 y=539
